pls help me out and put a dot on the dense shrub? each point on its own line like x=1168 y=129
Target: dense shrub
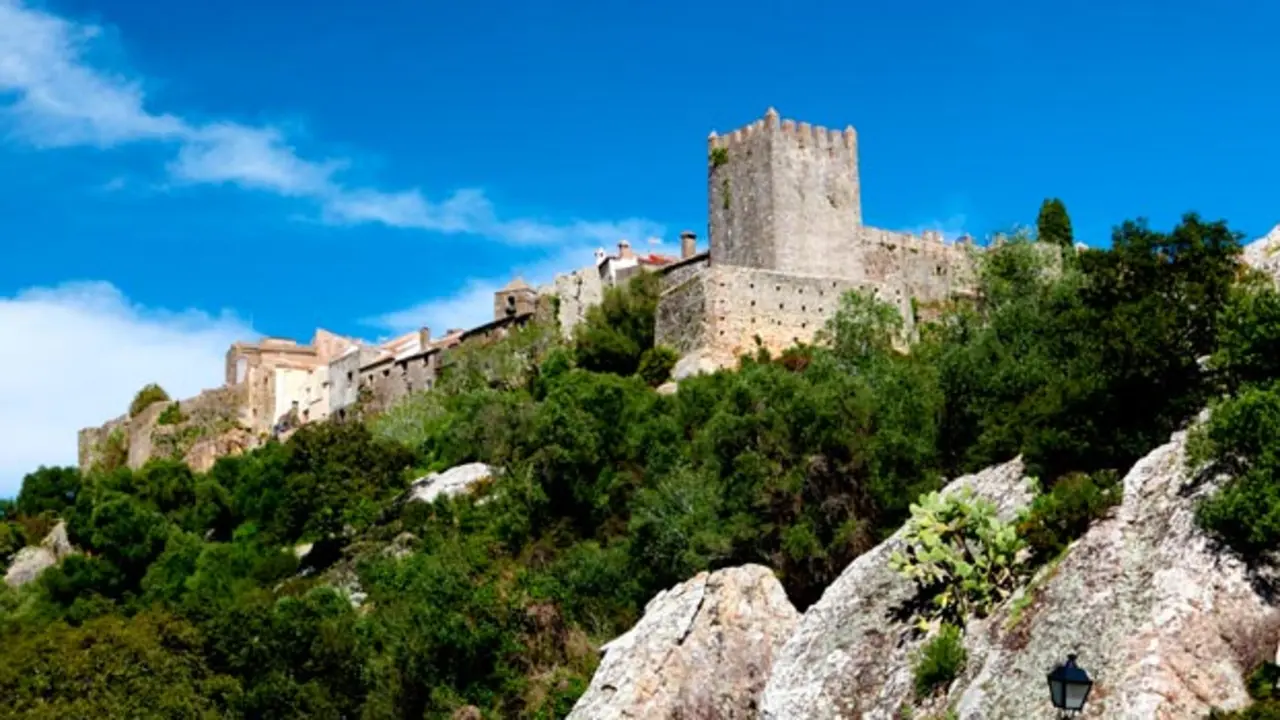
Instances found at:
x=940 y=661
x=146 y=397
x=1241 y=438
x=1064 y=513
x=171 y=415
x=617 y=332
x=656 y=364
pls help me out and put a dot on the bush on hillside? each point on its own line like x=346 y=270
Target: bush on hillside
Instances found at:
x=617 y=332
x=1065 y=512
x=656 y=364
x=146 y=397
x=940 y=661
x=171 y=415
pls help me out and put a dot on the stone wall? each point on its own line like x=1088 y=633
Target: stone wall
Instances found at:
x=576 y=292
x=678 y=272
x=720 y=312
x=781 y=309
x=681 y=318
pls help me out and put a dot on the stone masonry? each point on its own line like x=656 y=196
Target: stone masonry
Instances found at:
x=787 y=240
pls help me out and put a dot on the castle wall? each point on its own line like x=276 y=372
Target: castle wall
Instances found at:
x=681 y=318
x=720 y=311
x=781 y=309
x=676 y=273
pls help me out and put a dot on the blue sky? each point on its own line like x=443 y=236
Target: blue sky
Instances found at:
x=177 y=175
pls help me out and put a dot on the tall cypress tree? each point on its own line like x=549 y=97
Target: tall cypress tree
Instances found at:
x=1054 y=225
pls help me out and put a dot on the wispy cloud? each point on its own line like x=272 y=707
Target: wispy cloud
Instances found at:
x=50 y=391
x=57 y=98
x=951 y=228
x=472 y=303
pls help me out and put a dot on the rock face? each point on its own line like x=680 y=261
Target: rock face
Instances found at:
x=702 y=651
x=1264 y=253
x=454 y=481
x=850 y=655
x=1164 y=622
x=30 y=561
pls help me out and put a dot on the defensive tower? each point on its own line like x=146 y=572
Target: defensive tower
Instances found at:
x=784 y=196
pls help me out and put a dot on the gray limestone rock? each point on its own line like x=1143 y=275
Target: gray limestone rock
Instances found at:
x=850 y=656
x=1164 y=621
x=454 y=481
x=702 y=650
x=1264 y=253
x=30 y=561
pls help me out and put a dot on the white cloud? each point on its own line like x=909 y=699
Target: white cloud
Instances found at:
x=952 y=228
x=78 y=353
x=472 y=303
x=470 y=306
x=58 y=98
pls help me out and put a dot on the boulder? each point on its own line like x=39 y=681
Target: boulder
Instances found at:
x=1164 y=621
x=454 y=481
x=32 y=560
x=702 y=650
x=850 y=656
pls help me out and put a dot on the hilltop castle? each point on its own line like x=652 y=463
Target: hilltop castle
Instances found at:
x=786 y=241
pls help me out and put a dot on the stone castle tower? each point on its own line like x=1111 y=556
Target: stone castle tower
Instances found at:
x=783 y=195
x=787 y=240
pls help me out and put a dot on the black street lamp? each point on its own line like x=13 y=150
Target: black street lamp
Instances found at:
x=1069 y=686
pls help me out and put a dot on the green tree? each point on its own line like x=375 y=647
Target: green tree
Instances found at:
x=146 y=397
x=1053 y=225
x=149 y=666
x=616 y=333
x=48 y=489
x=656 y=364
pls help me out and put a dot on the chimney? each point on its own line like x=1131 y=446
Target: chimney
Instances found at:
x=624 y=249
x=688 y=244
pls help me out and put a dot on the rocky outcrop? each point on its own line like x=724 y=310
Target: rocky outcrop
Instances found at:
x=1164 y=621
x=850 y=656
x=1264 y=253
x=30 y=561
x=702 y=651
x=454 y=481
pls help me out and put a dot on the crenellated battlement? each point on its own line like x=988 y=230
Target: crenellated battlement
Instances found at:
x=771 y=125
x=784 y=195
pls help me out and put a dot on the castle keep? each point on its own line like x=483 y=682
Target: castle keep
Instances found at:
x=787 y=240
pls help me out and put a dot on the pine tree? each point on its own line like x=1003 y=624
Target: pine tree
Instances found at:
x=1054 y=225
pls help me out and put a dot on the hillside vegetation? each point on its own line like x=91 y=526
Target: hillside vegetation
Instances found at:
x=190 y=601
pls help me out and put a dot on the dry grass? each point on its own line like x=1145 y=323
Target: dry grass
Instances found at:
x=1255 y=644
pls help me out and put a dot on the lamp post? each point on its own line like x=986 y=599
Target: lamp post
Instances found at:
x=1069 y=686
